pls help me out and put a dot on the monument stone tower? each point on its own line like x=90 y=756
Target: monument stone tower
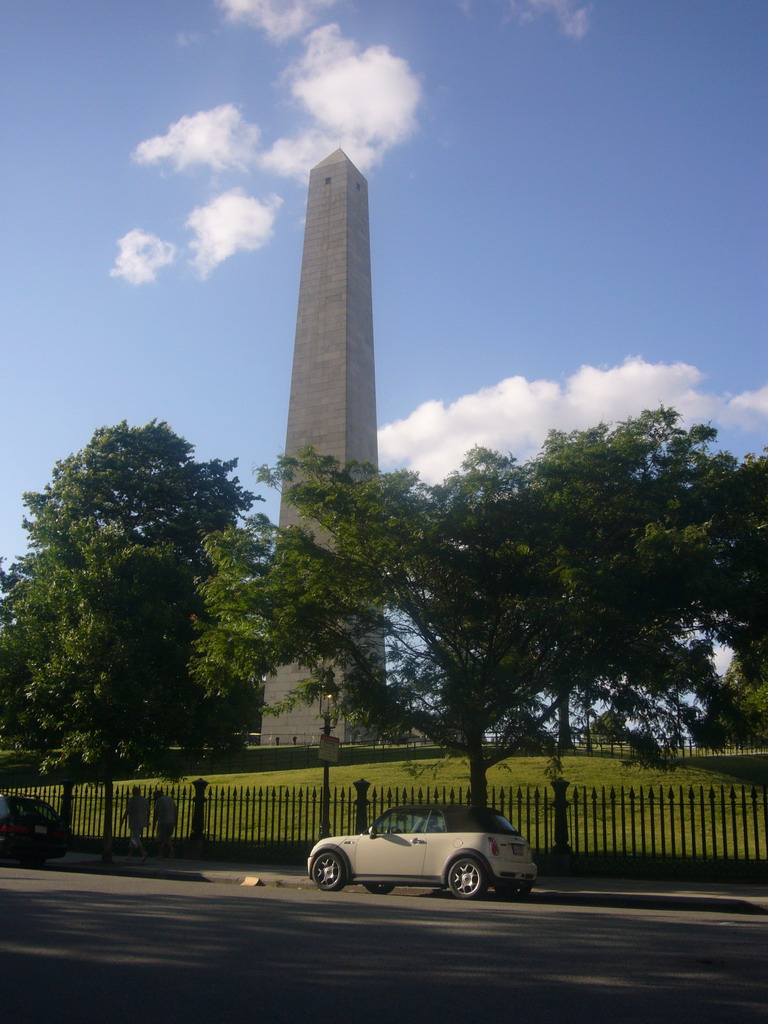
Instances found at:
x=333 y=389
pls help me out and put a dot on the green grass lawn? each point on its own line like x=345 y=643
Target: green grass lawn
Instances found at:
x=747 y=769
x=12 y=760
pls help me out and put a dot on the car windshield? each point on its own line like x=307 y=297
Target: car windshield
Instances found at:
x=401 y=821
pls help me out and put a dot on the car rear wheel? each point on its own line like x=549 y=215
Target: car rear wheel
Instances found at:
x=467 y=879
x=378 y=888
x=328 y=872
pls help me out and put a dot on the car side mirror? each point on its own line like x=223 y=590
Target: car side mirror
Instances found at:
x=372 y=832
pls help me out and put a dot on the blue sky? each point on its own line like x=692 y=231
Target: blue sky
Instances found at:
x=568 y=218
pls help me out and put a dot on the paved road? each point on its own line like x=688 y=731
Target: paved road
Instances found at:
x=82 y=948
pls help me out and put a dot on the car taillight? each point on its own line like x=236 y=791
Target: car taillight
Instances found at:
x=58 y=834
x=14 y=830
x=493 y=846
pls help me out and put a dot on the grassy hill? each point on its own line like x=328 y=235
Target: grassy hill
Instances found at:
x=746 y=769
x=731 y=770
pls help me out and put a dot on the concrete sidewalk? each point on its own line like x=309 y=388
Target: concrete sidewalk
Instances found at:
x=565 y=891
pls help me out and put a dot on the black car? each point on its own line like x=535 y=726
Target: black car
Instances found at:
x=30 y=830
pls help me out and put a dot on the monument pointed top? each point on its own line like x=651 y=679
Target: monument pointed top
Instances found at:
x=336 y=157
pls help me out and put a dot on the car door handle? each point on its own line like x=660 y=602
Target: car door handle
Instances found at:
x=418 y=842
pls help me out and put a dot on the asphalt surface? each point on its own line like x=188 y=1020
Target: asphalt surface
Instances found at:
x=566 y=891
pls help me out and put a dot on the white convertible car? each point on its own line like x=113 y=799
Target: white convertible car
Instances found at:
x=464 y=849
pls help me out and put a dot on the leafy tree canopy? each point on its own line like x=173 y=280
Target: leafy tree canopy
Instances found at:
x=603 y=570
x=99 y=618
x=144 y=482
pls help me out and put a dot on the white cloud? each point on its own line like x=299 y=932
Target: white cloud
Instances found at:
x=573 y=20
x=294 y=158
x=217 y=138
x=280 y=19
x=364 y=102
x=141 y=256
x=516 y=414
x=233 y=222
x=747 y=410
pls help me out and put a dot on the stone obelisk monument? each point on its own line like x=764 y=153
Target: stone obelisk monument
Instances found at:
x=333 y=388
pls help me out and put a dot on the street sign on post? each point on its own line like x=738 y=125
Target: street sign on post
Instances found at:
x=328 y=749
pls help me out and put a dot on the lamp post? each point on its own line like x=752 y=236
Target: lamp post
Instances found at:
x=326 y=704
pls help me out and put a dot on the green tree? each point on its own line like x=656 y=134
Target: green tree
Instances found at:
x=99 y=618
x=746 y=629
x=745 y=717
x=594 y=573
x=644 y=521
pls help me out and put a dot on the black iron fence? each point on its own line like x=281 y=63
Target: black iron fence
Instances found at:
x=714 y=824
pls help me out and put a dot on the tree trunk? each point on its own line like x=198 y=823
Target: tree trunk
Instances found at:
x=106 y=850
x=478 y=782
x=564 y=735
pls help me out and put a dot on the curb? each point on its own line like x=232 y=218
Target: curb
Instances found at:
x=256 y=878
x=651 y=901
x=266 y=878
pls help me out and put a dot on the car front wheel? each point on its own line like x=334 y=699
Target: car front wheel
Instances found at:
x=467 y=879
x=328 y=872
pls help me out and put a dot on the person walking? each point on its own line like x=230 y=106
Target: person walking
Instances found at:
x=137 y=813
x=165 y=822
